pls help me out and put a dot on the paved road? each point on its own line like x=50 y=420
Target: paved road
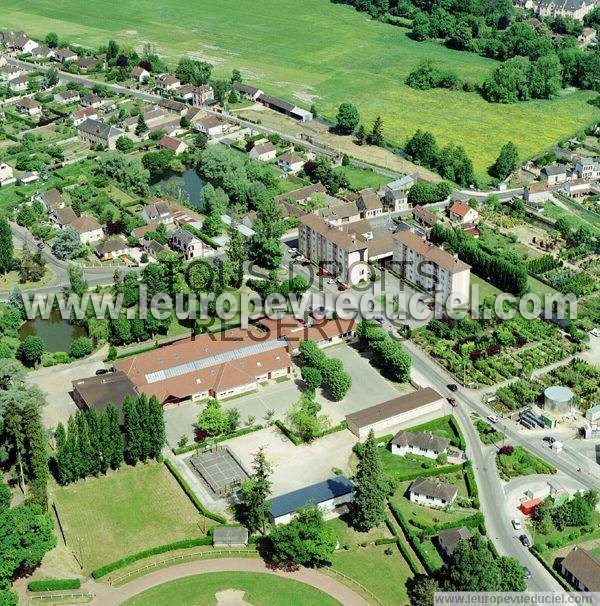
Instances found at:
x=110 y=596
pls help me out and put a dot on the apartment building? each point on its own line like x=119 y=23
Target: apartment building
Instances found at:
x=431 y=268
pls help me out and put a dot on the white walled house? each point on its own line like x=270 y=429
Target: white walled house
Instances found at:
x=186 y=243
x=290 y=162
x=6 y=174
x=89 y=230
x=395 y=194
x=463 y=214
x=432 y=493
x=264 y=152
x=588 y=168
x=419 y=443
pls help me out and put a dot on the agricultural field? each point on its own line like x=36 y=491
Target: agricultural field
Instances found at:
x=344 y=57
x=134 y=509
x=259 y=589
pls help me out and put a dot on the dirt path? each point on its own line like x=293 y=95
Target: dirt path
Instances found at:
x=110 y=596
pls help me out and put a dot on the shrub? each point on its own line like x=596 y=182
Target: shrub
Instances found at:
x=53 y=584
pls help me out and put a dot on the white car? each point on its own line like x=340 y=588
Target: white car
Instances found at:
x=293 y=250
x=516 y=524
x=331 y=281
x=492 y=418
x=595 y=332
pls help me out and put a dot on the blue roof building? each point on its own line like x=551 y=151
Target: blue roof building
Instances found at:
x=328 y=496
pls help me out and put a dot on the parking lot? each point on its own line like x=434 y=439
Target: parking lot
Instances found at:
x=368 y=388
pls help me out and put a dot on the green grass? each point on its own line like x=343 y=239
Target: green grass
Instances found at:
x=521 y=463
x=394 y=465
x=575 y=213
x=127 y=511
x=563 y=535
x=361 y=178
x=260 y=589
x=438 y=427
x=345 y=57
x=485 y=288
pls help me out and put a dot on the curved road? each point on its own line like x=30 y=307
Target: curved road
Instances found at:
x=110 y=596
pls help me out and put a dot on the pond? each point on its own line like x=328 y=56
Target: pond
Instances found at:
x=184 y=186
x=56 y=333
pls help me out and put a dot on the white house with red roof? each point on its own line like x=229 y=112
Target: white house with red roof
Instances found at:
x=463 y=214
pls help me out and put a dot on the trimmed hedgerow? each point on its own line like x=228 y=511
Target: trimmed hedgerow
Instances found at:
x=53 y=584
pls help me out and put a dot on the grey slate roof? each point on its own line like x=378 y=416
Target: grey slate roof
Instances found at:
x=557 y=169
x=449 y=539
x=315 y=494
x=420 y=439
x=99 y=129
x=431 y=488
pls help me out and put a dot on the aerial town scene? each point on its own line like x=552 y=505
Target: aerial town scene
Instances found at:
x=299 y=302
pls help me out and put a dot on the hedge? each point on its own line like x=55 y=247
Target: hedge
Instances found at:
x=299 y=441
x=192 y=497
x=462 y=443
x=53 y=584
x=563 y=582
x=470 y=480
x=140 y=555
x=229 y=436
x=206 y=239
x=288 y=433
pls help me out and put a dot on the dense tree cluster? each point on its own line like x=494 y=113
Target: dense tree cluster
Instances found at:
x=128 y=172
x=506 y=274
x=190 y=71
x=331 y=370
x=574 y=513
x=304 y=416
x=451 y=162
x=320 y=170
x=214 y=420
x=506 y=162
x=389 y=355
x=426 y=193
x=428 y=75
x=67 y=244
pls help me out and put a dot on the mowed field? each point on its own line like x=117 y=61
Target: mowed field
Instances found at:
x=317 y=51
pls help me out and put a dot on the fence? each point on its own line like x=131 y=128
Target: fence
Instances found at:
x=54 y=596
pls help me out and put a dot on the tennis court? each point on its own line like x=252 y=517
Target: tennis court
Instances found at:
x=219 y=469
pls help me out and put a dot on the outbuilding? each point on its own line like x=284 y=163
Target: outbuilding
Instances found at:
x=558 y=399
x=230 y=536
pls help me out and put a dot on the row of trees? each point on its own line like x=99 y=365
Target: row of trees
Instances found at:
x=389 y=355
x=451 y=162
x=319 y=370
x=505 y=274
x=575 y=513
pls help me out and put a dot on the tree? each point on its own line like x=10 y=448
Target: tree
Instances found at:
x=6 y=246
x=509 y=82
x=347 y=119
x=31 y=350
x=361 y=135
x=376 y=135
x=545 y=77
x=213 y=419
x=114 y=449
x=124 y=144
x=511 y=574
x=156 y=426
x=141 y=126
x=506 y=162
x=81 y=347
x=67 y=244
x=237 y=255
x=310 y=354
x=256 y=491
x=190 y=71
x=423 y=148
x=338 y=381
x=305 y=419
x=133 y=430
x=472 y=567
x=26 y=216
x=34 y=440
x=5 y=496
x=76 y=279
x=368 y=509
x=158 y=163
x=421 y=28
x=51 y=39
x=421 y=590
x=312 y=377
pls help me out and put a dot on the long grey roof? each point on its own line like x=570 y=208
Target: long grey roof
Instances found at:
x=420 y=439
x=433 y=489
x=99 y=129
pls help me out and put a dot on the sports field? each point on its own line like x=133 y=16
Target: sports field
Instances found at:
x=317 y=51
x=258 y=589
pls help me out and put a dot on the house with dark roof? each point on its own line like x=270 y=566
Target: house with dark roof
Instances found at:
x=29 y=106
x=42 y=52
x=369 y=204
x=290 y=162
x=284 y=107
x=211 y=126
x=95 y=132
x=112 y=248
x=395 y=193
x=575 y=9
x=63 y=216
x=449 y=539
x=185 y=242
x=581 y=569
x=51 y=199
x=424 y=217
x=67 y=96
x=419 y=443
x=157 y=211
x=91 y=100
x=166 y=82
x=432 y=493
x=264 y=152
x=64 y=55
x=331 y=497
x=251 y=93
x=554 y=173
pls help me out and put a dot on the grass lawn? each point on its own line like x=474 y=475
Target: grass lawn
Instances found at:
x=260 y=589
x=563 y=535
x=577 y=214
x=345 y=57
x=384 y=575
x=439 y=427
x=11 y=279
x=485 y=288
x=428 y=515
x=127 y=511
x=361 y=178
x=396 y=466
x=521 y=463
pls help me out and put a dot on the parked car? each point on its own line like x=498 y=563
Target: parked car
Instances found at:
x=493 y=418
x=101 y=371
x=331 y=281
x=525 y=540
x=293 y=250
x=342 y=287
x=516 y=524
x=595 y=332
x=321 y=272
x=526 y=572
x=40 y=245
x=452 y=387
x=549 y=439
x=380 y=320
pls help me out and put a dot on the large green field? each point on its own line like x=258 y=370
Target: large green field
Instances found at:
x=259 y=590
x=315 y=50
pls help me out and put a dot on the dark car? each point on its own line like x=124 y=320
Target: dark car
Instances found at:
x=40 y=245
x=342 y=287
x=549 y=439
x=525 y=540
x=101 y=371
x=453 y=387
x=526 y=572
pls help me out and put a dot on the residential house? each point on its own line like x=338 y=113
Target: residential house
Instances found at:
x=51 y=199
x=203 y=95
x=581 y=569
x=87 y=64
x=290 y=162
x=81 y=115
x=42 y=52
x=186 y=92
x=6 y=174
x=67 y=96
x=95 y=132
x=403 y=411
x=63 y=216
x=431 y=268
x=91 y=100
x=331 y=497
x=88 y=228
x=251 y=93
x=8 y=72
x=463 y=214
x=342 y=254
x=395 y=194
x=577 y=188
x=449 y=539
x=175 y=107
x=555 y=173
x=152 y=247
x=575 y=9
x=19 y=84
x=284 y=107
x=419 y=443
x=341 y=214
x=535 y=195
x=369 y=204
x=29 y=106
x=588 y=36
x=175 y=145
x=425 y=218
x=14 y=40
x=183 y=241
x=139 y=74
x=29 y=46
x=211 y=126
x=206 y=365
x=588 y=168
x=157 y=211
x=152 y=117
x=167 y=82
x=264 y=152
x=302 y=195
x=432 y=493
x=112 y=248
x=64 y=55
